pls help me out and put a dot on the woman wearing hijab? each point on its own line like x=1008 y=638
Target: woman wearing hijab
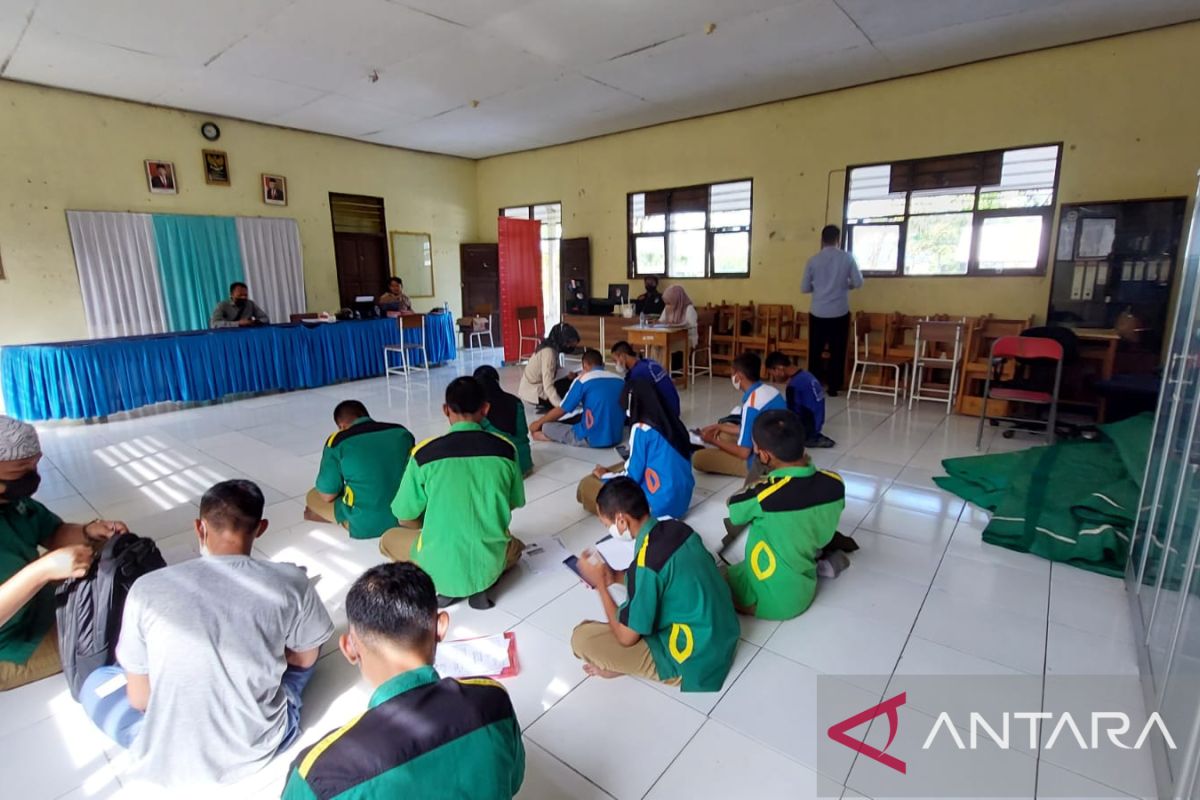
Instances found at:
x=540 y=385
x=506 y=416
x=679 y=310
x=660 y=457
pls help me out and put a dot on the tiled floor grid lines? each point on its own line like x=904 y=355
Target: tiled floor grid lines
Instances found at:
x=922 y=596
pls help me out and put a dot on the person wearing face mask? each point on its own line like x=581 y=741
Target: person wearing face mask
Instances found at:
x=635 y=368
x=239 y=311
x=214 y=654
x=660 y=457
x=793 y=515
x=649 y=302
x=422 y=735
x=678 y=624
x=28 y=637
x=732 y=450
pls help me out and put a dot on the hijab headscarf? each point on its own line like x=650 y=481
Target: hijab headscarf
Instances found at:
x=677 y=302
x=560 y=338
x=645 y=405
x=503 y=406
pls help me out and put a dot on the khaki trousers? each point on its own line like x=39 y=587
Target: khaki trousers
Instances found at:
x=43 y=663
x=594 y=643
x=717 y=461
x=590 y=487
x=318 y=505
x=397 y=544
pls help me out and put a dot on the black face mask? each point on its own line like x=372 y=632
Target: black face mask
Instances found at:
x=22 y=487
x=240 y=303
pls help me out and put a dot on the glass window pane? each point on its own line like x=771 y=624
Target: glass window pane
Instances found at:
x=729 y=204
x=1010 y=242
x=517 y=212
x=938 y=245
x=876 y=248
x=639 y=222
x=731 y=253
x=875 y=208
x=940 y=201
x=651 y=255
x=688 y=221
x=1015 y=198
x=687 y=254
x=730 y=219
x=1028 y=167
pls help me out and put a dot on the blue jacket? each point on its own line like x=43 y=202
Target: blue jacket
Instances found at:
x=599 y=392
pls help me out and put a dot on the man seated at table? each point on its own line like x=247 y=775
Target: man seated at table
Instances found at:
x=394 y=299
x=636 y=368
x=804 y=394
x=601 y=419
x=28 y=636
x=422 y=735
x=677 y=624
x=360 y=473
x=456 y=500
x=239 y=311
x=214 y=654
x=732 y=446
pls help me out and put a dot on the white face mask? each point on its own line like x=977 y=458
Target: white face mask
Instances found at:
x=627 y=536
x=621 y=368
x=733 y=379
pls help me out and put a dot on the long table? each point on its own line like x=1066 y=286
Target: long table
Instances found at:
x=98 y=377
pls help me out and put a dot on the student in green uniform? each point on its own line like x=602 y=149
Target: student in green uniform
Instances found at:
x=422 y=736
x=459 y=490
x=677 y=624
x=28 y=638
x=506 y=415
x=793 y=514
x=360 y=473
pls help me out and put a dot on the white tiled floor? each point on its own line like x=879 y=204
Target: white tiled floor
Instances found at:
x=924 y=595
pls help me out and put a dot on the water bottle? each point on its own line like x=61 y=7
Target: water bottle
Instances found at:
x=446 y=306
x=642 y=320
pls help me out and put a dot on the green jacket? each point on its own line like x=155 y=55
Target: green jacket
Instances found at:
x=364 y=465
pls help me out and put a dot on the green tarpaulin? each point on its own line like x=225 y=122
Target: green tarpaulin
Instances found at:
x=1074 y=501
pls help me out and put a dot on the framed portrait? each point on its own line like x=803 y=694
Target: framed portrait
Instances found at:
x=160 y=177
x=216 y=167
x=274 y=190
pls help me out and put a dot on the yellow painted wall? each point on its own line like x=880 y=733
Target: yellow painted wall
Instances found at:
x=62 y=150
x=1125 y=109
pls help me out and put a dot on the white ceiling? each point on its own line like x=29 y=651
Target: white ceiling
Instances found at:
x=481 y=77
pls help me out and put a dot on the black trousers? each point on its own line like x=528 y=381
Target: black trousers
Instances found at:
x=831 y=332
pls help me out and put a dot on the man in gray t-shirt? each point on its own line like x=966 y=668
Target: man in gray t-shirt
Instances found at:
x=828 y=277
x=239 y=311
x=214 y=654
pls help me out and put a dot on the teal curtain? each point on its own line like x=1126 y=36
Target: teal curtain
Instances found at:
x=198 y=257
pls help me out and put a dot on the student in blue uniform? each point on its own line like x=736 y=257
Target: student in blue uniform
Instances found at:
x=805 y=397
x=660 y=457
x=601 y=422
x=635 y=368
x=732 y=450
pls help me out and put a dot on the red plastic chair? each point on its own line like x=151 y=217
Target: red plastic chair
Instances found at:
x=1024 y=348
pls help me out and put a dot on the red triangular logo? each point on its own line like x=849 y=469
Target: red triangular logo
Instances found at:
x=837 y=732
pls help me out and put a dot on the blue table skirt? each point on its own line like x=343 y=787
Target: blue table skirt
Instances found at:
x=95 y=378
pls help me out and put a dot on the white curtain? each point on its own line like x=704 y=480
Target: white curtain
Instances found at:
x=274 y=266
x=117 y=263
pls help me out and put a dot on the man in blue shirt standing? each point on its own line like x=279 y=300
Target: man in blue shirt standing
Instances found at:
x=635 y=368
x=828 y=277
x=602 y=420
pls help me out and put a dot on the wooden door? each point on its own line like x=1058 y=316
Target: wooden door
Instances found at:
x=362 y=265
x=481 y=281
x=575 y=264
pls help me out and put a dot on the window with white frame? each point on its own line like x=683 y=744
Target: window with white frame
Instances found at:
x=698 y=231
x=550 y=215
x=985 y=213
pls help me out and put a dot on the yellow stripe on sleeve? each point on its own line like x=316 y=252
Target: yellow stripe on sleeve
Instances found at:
x=422 y=444
x=332 y=436
x=480 y=682
x=323 y=745
x=833 y=475
x=641 y=559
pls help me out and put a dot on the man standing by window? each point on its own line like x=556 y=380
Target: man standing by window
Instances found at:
x=828 y=277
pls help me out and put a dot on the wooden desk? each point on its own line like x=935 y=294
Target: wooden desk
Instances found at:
x=598 y=332
x=1099 y=345
x=661 y=337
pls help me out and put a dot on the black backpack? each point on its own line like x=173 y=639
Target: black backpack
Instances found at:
x=89 y=608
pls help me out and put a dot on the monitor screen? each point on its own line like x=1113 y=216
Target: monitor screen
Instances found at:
x=618 y=292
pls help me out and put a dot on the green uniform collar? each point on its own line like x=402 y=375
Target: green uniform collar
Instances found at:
x=794 y=472
x=402 y=683
x=360 y=419
x=466 y=426
x=644 y=531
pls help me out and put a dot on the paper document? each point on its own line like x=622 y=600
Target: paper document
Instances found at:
x=486 y=656
x=618 y=553
x=543 y=556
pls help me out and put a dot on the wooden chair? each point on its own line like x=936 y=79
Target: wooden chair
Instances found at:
x=705 y=320
x=484 y=312
x=795 y=343
x=758 y=337
x=939 y=345
x=724 y=339
x=527 y=315
x=870 y=350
